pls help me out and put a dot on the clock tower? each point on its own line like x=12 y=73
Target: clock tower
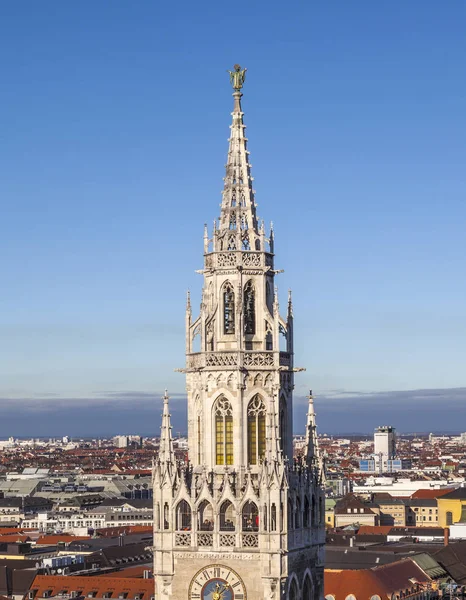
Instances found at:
x=243 y=518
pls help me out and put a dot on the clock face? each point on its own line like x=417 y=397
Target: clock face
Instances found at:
x=217 y=582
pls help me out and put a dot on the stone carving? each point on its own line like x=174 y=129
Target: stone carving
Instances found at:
x=216 y=555
x=251 y=259
x=250 y=540
x=205 y=539
x=258 y=359
x=226 y=260
x=182 y=539
x=227 y=539
x=225 y=359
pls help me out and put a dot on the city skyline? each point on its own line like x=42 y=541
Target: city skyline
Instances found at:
x=105 y=230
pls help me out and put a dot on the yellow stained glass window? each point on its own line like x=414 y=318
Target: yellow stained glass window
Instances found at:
x=229 y=440
x=219 y=440
x=256 y=430
x=252 y=434
x=261 y=436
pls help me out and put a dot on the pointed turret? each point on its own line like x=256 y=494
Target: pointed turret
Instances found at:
x=166 y=453
x=238 y=226
x=273 y=451
x=313 y=457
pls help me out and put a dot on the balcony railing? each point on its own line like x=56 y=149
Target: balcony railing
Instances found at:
x=251 y=359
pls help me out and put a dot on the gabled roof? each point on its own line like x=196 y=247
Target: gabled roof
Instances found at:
x=352 y=503
x=458 y=494
x=429 y=565
x=383 y=581
x=453 y=560
x=424 y=494
x=96 y=586
x=374 y=529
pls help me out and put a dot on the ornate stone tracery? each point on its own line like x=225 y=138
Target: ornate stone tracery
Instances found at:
x=238 y=493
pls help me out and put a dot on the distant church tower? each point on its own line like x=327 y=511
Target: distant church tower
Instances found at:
x=243 y=519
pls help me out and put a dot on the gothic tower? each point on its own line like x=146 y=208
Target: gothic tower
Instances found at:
x=242 y=519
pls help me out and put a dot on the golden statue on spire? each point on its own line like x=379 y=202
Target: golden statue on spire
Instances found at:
x=237 y=77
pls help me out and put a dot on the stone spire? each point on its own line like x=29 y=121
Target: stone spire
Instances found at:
x=313 y=458
x=166 y=454
x=238 y=226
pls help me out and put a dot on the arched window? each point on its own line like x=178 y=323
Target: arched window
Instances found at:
x=293 y=595
x=249 y=309
x=273 y=518
x=256 y=430
x=250 y=517
x=231 y=243
x=290 y=519
x=264 y=518
x=308 y=589
x=205 y=516
x=244 y=222
x=223 y=432
x=183 y=516
x=245 y=244
x=233 y=199
x=449 y=518
x=232 y=225
x=166 y=522
x=227 y=516
x=228 y=309
x=306 y=513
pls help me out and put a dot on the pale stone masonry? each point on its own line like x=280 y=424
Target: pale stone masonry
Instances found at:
x=242 y=519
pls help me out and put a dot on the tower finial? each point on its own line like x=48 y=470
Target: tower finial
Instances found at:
x=313 y=457
x=237 y=77
x=166 y=453
x=290 y=305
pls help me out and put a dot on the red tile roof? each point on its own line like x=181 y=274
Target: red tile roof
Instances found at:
x=382 y=581
x=375 y=530
x=14 y=537
x=136 y=572
x=95 y=586
x=428 y=494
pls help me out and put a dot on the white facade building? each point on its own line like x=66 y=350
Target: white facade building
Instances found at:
x=242 y=519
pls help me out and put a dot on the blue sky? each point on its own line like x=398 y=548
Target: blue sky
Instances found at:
x=113 y=139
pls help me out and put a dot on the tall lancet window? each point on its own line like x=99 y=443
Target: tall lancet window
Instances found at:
x=256 y=430
x=228 y=309
x=223 y=432
x=249 y=309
